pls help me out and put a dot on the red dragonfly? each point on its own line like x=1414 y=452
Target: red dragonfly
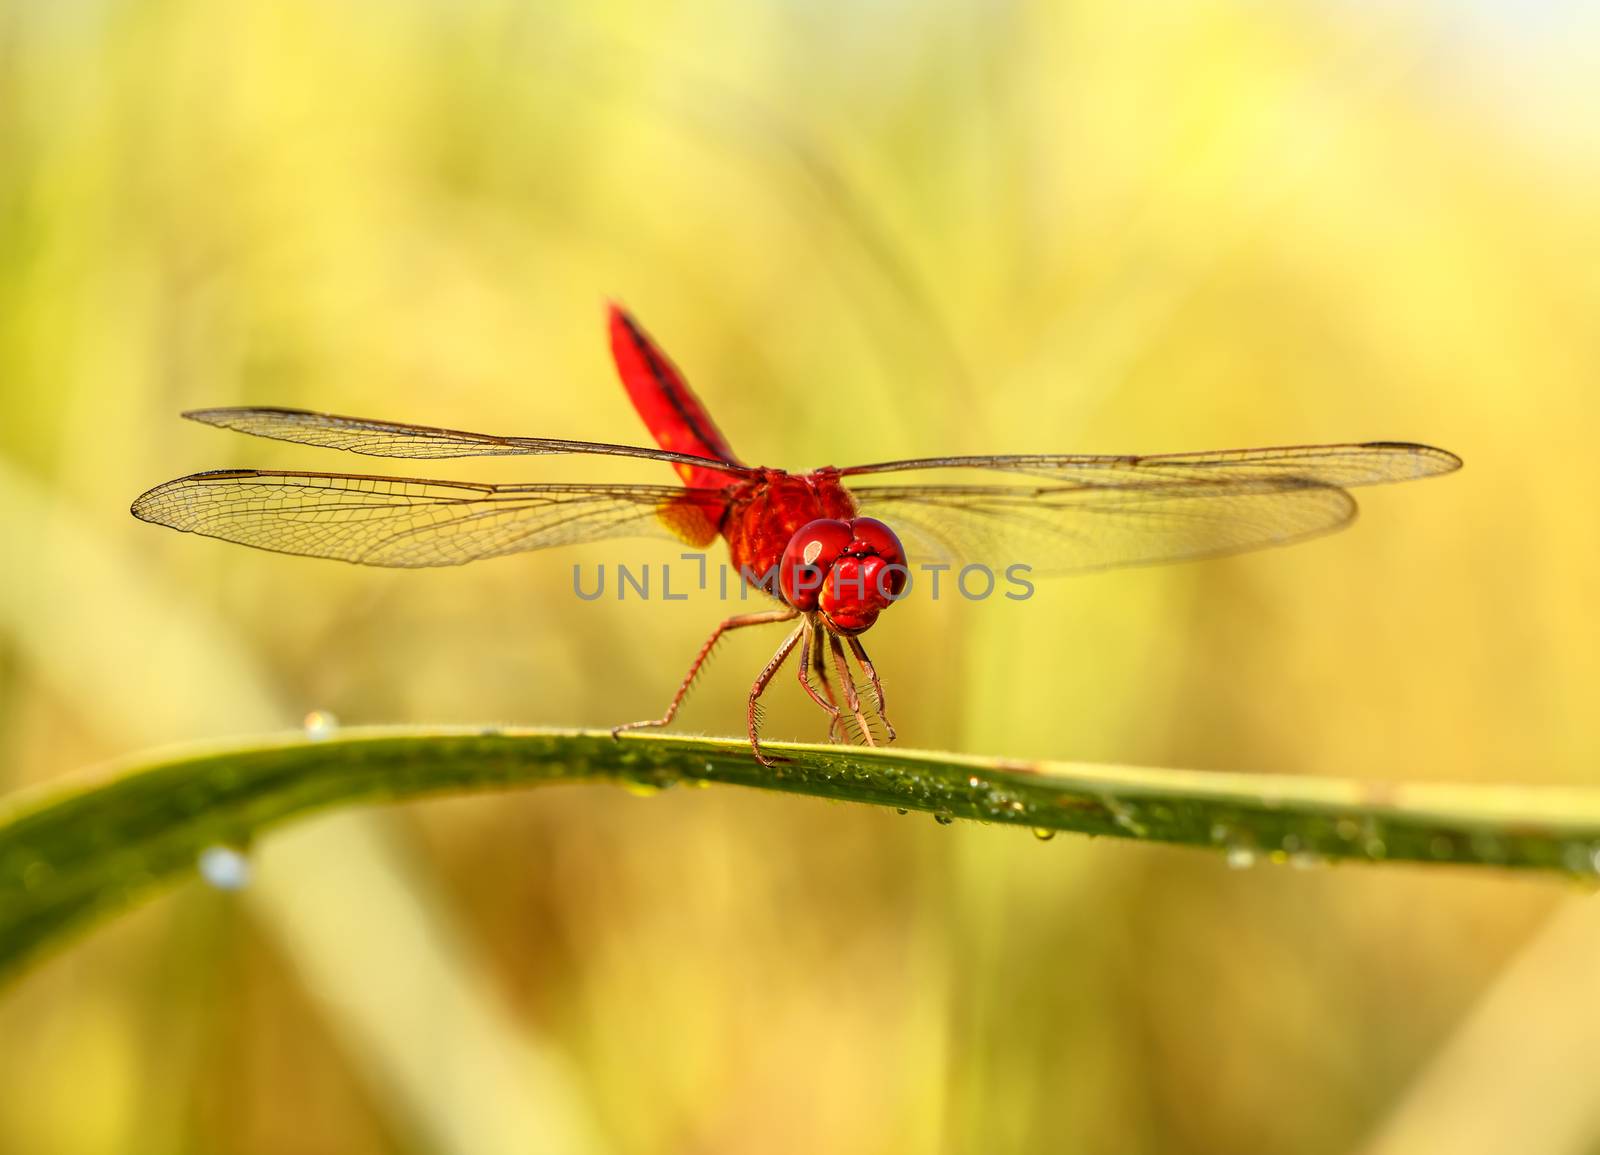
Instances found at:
x=801 y=538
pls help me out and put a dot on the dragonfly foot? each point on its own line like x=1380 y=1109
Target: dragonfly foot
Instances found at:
x=618 y=731
x=876 y=685
x=753 y=703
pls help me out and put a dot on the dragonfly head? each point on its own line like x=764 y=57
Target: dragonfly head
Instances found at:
x=849 y=571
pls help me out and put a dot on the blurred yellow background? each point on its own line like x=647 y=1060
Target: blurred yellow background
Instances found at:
x=864 y=231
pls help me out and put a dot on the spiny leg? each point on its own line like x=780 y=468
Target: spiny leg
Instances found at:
x=737 y=622
x=851 y=698
x=811 y=651
x=819 y=666
x=819 y=663
x=867 y=667
x=752 y=715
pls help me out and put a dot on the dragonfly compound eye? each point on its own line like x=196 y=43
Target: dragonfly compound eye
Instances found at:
x=865 y=579
x=871 y=536
x=810 y=555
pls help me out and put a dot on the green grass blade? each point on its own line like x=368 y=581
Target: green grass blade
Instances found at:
x=74 y=853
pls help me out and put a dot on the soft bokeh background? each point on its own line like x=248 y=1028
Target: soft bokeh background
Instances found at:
x=865 y=231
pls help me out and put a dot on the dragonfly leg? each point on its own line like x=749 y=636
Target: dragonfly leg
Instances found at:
x=819 y=659
x=852 y=700
x=871 y=671
x=812 y=653
x=738 y=622
x=753 y=707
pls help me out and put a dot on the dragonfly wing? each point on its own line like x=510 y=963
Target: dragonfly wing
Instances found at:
x=419 y=442
x=1073 y=529
x=408 y=523
x=1341 y=466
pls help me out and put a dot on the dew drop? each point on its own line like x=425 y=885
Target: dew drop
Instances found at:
x=1577 y=859
x=1488 y=847
x=1373 y=845
x=1238 y=849
x=1043 y=833
x=320 y=724
x=902 y=811
x=36 y=874
x=224 y=868
x=974 y=782
x=943 y=818
x=1123 y=816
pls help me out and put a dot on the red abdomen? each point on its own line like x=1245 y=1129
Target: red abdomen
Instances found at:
x=671 y=411
x=679 y=423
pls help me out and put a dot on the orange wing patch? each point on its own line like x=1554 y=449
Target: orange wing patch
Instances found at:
x=693 y=521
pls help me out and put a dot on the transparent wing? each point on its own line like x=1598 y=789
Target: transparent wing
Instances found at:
x=418 y=442
x=1342 y=466
x=1071 y=529
x=408 y=522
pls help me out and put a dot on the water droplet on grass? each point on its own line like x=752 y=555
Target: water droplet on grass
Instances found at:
x=944 y=818
x=320 y=724
x=1238 y=849
x=1043 y=833
x=1373 y=845
x=1579 y=859
x=1123 y=815
x=224 y=868
x=1488 y=847
x=36 y=874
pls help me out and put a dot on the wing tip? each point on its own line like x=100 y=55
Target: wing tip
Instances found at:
x=1437 y=461
x=208 y=416
x=148 y=506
